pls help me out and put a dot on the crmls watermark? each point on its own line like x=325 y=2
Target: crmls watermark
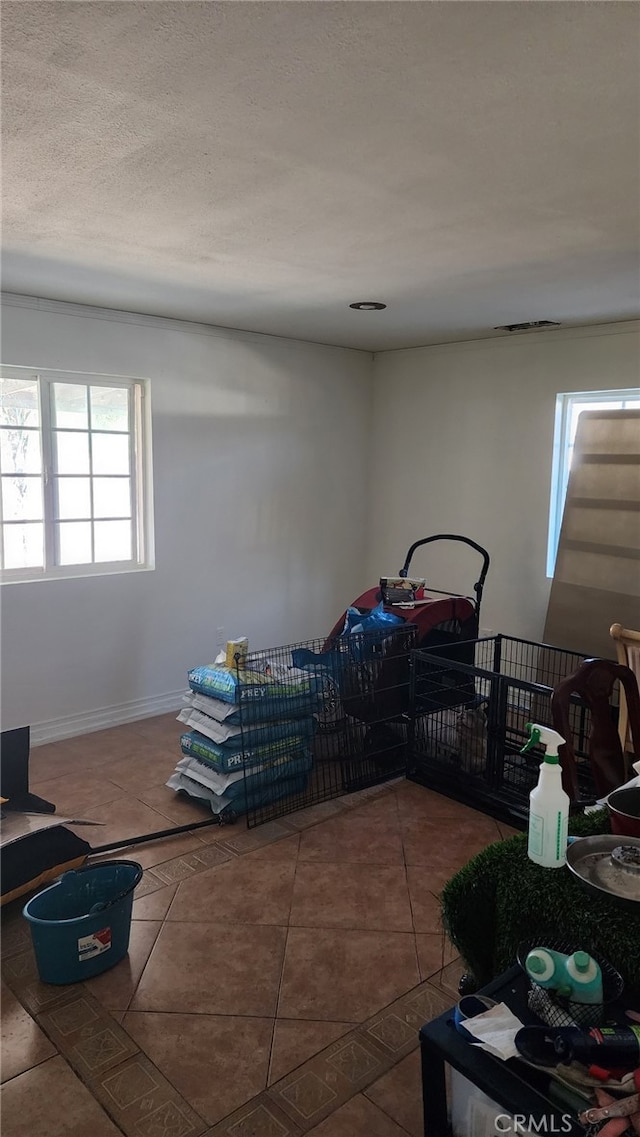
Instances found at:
x=520 y=1123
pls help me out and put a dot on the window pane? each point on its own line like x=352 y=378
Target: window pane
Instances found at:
x=68 y=489
x=74 y=498
x=578 y=408
x=22 y=499
x=569 y=407
x=72 y=453
x=109 y=408
x=70 y=405
x=110 y=453
x=23 y=546
x=19 y=402
x=20 y=451
x=113 y=540
x=111 y=497
x=75 y=542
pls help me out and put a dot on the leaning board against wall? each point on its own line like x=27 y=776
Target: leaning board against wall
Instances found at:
x=597 y=572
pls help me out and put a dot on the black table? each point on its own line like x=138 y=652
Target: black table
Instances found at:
x=516 y=1087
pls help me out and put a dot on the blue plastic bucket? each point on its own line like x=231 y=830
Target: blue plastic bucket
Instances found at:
x=80 y=925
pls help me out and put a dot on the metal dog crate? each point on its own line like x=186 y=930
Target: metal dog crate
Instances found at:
x=469 y=722
x=345 y=715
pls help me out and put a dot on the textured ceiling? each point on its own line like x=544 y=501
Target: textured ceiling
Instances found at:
x=262 y=165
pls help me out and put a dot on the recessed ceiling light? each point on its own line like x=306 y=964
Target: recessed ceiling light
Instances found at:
x=368 y=306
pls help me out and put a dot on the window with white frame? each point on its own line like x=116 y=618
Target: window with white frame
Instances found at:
x=569 y=407
x=75 y=474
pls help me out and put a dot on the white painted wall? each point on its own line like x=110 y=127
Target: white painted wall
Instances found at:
x=260 y=461
x=284 y=486
x=462 y=442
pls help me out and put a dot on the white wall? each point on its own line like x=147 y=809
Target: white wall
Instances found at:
x=260 y=460
x=283 y=489
x=462 y=442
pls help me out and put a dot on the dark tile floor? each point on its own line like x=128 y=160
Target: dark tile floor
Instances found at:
x=276 y=977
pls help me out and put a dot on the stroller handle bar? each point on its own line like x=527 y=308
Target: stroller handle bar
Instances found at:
x=479 y=585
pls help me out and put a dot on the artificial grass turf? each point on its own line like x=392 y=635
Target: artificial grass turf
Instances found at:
x=501 y=898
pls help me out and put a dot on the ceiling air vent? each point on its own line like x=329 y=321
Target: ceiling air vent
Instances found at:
x=528 y=326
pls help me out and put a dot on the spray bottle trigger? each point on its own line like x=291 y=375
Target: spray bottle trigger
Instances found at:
x=534 y=738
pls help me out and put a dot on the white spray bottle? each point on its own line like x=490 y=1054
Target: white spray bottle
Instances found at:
x=548 y=803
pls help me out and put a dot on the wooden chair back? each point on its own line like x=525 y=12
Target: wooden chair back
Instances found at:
x=594 y=682
x=628 y=653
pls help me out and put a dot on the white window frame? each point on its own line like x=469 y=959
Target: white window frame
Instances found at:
x=140 y=464
x=563 y=440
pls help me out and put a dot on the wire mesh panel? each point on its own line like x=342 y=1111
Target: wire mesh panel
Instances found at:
x=317 y=723
x=469 y=721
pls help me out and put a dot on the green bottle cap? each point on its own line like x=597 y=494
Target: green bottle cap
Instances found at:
x=535 y=964
x=581 y=960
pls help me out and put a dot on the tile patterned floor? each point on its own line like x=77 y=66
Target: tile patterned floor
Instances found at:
x=276 y=978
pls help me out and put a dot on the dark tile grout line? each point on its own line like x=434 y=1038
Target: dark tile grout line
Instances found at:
x=406 y=880
x=231 y=854
x=65 y=1057
x=80 y=992
x=217 y=1015
x=382 y=1109
x=357 y=1034
x=228 y=847
x=41 y=1062
x=167 y=913
x=166 y=1077
x=155 y=940
x=383 y=790
x=362 y=1034
x=413 y=922
x=67 y=1053
x=280 y=981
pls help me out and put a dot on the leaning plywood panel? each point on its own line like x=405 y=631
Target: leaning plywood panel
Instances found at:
x=597 y=573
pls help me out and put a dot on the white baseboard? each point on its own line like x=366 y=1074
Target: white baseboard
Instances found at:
x=102 y=718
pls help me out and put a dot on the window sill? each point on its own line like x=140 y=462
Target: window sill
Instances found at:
x=73 y=573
